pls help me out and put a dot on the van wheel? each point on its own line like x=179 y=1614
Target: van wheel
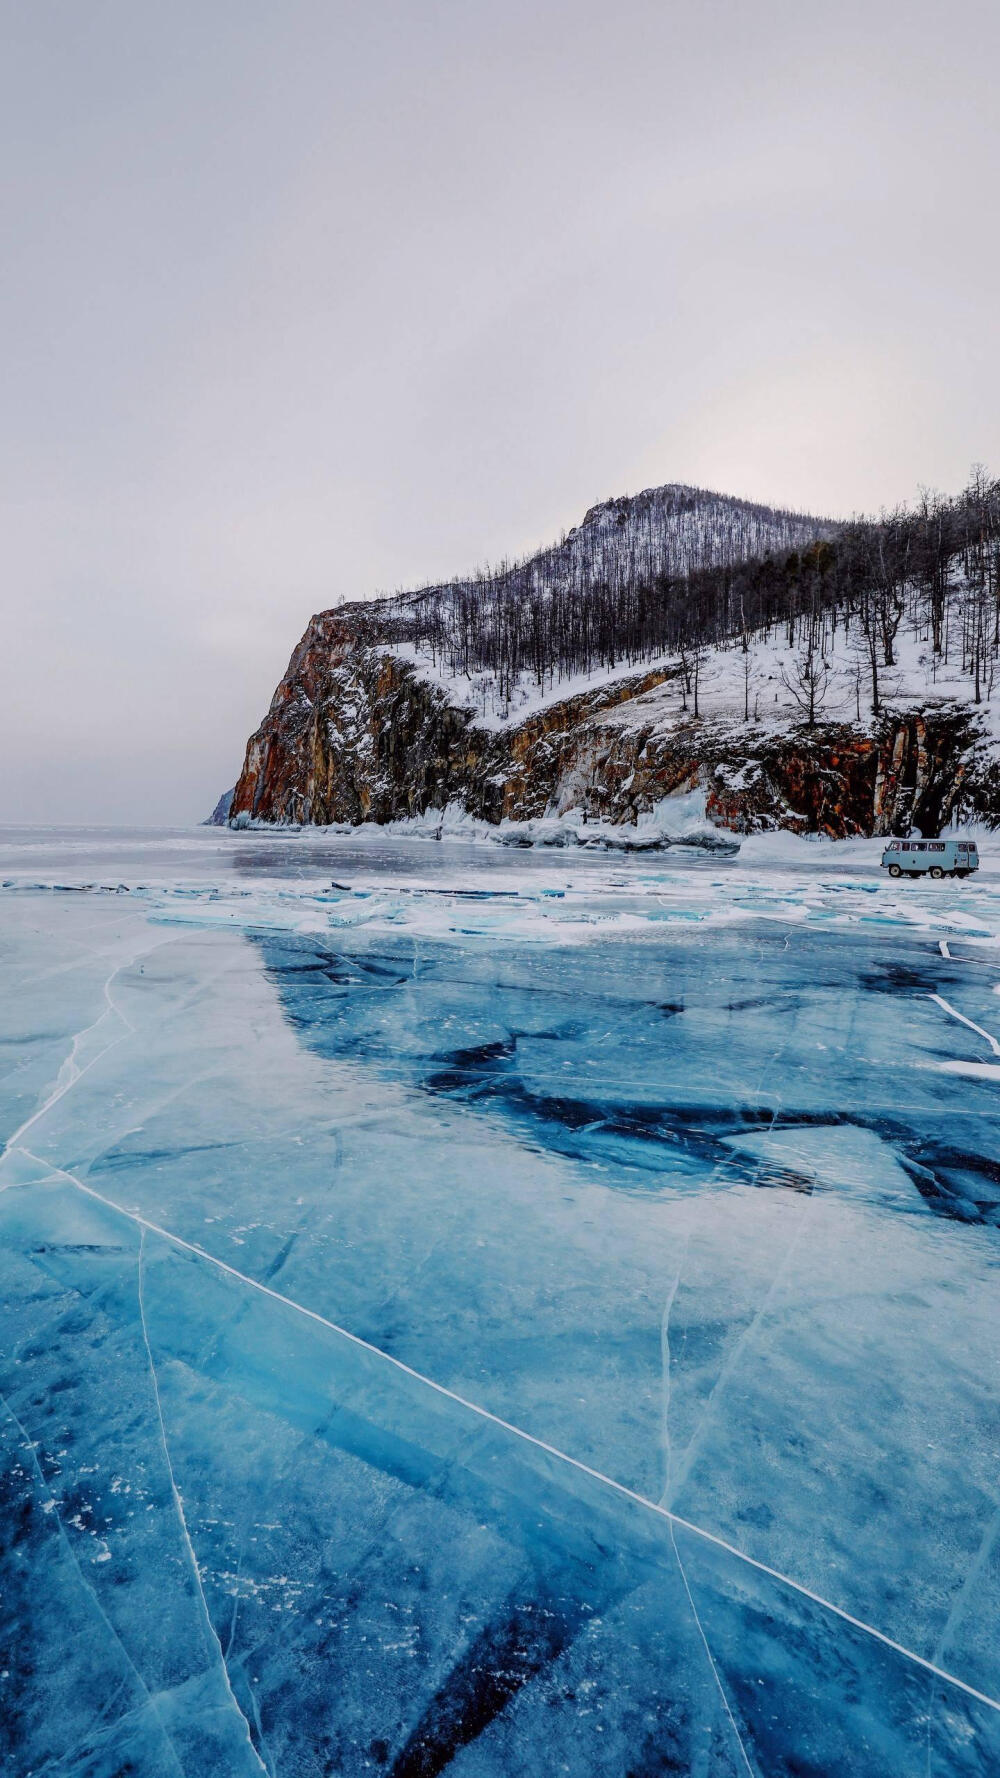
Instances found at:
x=936 y=871
x=894 y=870
x=961 y=873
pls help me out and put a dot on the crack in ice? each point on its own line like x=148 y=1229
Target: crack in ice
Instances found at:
x=738 y=1351
x=665 y=1353
x=619 y=1488
x=978 y=1029
x=69 y=1074
x=31 y=1445
x=75 y=1074
x=711 y=1659
x=179 y=1505
x=987 y=1544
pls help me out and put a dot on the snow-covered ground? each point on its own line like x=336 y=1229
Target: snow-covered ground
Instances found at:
x=480 y=693
x=761 y=681
x=482 y=1312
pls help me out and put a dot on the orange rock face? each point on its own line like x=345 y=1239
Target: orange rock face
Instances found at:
x=354 y=734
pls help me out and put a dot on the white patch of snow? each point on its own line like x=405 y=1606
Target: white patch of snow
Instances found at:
x=753 y=687
x=480 y=694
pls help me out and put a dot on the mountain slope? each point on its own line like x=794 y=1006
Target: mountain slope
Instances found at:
x=621 y=586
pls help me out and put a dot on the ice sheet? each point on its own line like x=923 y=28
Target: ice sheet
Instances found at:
x=383 y=1304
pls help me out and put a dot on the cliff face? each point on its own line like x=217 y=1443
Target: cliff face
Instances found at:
x=355 y=734
x=910 y=769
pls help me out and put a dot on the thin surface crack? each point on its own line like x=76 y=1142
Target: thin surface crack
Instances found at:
x=665 y=1350
x=179 y=1505
x=29 y=1445
x=698 y=1531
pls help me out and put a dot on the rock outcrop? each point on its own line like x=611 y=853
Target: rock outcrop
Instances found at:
x=355 y=733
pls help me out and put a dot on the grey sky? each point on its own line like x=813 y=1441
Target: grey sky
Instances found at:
x=303 y=300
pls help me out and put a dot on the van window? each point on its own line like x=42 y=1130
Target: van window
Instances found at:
x=934 y=847
x=920 y=847
x=893 y=846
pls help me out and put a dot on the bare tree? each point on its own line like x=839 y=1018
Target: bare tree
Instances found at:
x=673 y=571
x=856 y=673
x=868 y=620
x=807 y=677
x=698 y=657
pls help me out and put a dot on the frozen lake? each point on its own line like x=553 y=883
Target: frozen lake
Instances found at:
x=496 y=1314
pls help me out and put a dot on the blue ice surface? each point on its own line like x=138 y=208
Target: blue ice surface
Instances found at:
x=422 y=1355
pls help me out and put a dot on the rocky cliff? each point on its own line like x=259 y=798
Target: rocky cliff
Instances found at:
x=356 y=732
x=675 y=641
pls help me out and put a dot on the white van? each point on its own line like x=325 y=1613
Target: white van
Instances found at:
x=933 y=858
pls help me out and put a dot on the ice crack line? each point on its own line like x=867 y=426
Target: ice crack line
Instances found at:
x=179 y=1505
x=665 y=1364
x=31 y=1445
x=738 y=1351
x=667 y=1457
x=711 y=1659
x=70 y=1073
x=986 y=1547
x=960 y=1016
x=619 y=1488
x=970 y=962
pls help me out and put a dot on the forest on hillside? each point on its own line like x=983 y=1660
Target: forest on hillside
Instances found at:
x=678 y=570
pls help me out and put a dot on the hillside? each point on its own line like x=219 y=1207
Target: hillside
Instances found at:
x=795 y=672
x=629 y=582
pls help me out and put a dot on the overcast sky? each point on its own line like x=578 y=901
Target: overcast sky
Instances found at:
x=303 y=300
